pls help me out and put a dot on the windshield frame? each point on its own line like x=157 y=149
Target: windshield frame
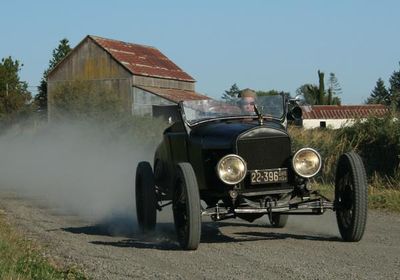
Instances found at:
x=193 y=123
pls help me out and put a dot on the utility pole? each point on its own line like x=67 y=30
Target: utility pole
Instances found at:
x=7 y=89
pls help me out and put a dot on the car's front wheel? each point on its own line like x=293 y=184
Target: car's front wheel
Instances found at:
x=186 y=207
x=351 y=197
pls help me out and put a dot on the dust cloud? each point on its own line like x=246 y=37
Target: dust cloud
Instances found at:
x=87 y=169
x=76 y=167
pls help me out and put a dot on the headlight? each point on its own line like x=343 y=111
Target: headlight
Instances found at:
x=231 y=169
x=306 y=162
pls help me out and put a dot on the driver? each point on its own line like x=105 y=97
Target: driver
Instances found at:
x=247 y=99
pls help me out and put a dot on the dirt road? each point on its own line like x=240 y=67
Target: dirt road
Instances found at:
x=308 y=248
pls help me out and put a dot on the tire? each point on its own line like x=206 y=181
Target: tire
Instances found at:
x=146 y=199
x=351 y=197
x=186 y=207
x=278 y=220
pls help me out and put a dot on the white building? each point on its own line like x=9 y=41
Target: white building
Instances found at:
x=337 y=116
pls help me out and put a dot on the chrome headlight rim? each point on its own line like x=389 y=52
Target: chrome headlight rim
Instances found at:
x=319 y=159
x=236 y=181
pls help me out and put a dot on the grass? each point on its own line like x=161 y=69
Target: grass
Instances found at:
x=384 y=192
x=382 y=198
x=376 y=140
x=21 y=259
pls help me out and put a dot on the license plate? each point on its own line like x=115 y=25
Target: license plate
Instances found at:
x=265 y=176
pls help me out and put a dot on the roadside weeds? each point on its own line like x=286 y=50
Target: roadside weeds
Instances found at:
x=379 y=198
x=23 y=259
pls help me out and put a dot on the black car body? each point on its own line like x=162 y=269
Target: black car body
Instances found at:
x=241 y=164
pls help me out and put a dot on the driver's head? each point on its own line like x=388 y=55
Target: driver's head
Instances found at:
x=247 y=99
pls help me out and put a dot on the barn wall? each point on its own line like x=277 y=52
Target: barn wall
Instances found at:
x=88 y=62
x=330 y=123
x=162 y=83
x=143 y=102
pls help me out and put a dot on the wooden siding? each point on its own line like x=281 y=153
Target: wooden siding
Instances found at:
x=161 y=83
x=88 y=62
x=143 y=102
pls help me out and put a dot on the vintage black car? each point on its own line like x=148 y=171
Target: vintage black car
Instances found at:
x=225 y=162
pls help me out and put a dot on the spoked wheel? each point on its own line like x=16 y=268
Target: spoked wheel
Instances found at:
x=146 y=199
x=351 y=197
x=186 y=208
x=278 y=220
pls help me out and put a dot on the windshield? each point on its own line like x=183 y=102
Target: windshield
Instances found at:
x=195 y=111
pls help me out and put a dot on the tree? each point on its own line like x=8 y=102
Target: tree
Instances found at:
x=394 y=90
x=82 y=100
x=58 y=54
x=334 y=89
x=321 y=88
x=14 y=95
x=317 y=95
x=379 y=95
x=232 y=93
x=272 y=92
x=310 y=93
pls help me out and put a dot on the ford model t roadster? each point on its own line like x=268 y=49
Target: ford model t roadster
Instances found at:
x=240 y=163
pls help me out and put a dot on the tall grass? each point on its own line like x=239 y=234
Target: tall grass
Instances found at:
x=377 y=140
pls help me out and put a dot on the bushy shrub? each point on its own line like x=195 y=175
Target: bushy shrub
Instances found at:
x=377 y=140
x=85 y=100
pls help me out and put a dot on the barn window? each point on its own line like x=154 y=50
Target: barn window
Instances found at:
x=322 y=124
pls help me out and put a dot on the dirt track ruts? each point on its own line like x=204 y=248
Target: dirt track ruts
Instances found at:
x=308 y=248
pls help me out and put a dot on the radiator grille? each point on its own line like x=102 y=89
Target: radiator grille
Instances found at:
x=263 y=153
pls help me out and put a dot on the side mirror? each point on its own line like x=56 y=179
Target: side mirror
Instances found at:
x=298 y=99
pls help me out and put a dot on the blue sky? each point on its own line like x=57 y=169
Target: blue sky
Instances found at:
x=257 y=44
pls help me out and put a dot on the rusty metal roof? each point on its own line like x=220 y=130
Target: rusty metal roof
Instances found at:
x=343 y=112
x=174 y=95
x=142 y=60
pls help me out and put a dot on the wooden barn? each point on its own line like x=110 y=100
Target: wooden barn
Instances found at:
x=149 y=81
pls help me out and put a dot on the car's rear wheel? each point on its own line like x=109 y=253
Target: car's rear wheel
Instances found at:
x=278 y=220
x=146 y=199
x=186 y=207
x=351 y=197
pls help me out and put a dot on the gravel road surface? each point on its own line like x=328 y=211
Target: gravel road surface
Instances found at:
x=308 y=248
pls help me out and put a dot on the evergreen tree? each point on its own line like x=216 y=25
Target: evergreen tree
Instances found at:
x=58 y=54
x=334 y=89
x=232 y=93
x=14 y=94
x=336 y=101
x=394 y=89
x=321 y=88
x=379 y=95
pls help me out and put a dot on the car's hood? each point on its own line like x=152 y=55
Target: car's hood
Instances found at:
x=222 y=135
